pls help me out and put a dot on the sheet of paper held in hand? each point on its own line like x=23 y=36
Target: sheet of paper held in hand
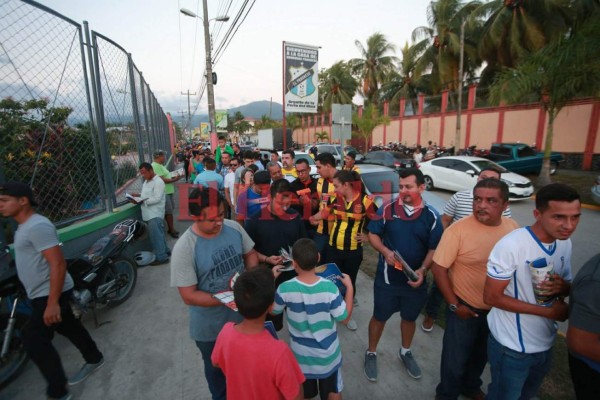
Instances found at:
x=226 y=296
x=287 y=259
x=403 y=266
x=177 y=173
x=136 y=199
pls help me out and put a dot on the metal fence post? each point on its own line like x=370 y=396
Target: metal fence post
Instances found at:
x=134 y=108
x=93 y=129
x=108 y=181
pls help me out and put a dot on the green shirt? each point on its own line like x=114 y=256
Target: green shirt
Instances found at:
x=162 y=171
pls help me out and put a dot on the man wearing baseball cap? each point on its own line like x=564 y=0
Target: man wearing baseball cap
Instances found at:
x=42 y=269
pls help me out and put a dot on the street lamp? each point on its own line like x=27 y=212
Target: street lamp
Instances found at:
x=209 y=74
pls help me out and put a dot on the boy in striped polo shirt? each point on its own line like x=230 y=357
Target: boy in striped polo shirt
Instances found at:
x=314 y=304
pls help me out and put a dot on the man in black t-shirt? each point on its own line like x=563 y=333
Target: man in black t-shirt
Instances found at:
x=305 y=201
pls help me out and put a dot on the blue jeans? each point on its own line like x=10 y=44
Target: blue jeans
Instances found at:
x=214 y=376
x=515 y=375
x=156 y=229
x=464 y=355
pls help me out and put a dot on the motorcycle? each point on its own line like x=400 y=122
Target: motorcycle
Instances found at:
x=14 y=313
x=102 y=276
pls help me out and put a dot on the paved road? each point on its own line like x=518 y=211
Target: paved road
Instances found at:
x=150 y=355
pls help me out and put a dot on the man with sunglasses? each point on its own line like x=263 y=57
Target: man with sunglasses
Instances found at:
x=306 y=202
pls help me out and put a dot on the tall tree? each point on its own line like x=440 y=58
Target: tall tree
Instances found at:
x=368 y=122
x=442 y=36
x=406 y=82
x=513 y=29
x=374 y=64
x=336 y=85
x=556 y=74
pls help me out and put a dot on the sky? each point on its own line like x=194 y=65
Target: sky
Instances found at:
x=168 y=47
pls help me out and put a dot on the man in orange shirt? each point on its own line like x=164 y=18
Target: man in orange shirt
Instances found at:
x=460 y=269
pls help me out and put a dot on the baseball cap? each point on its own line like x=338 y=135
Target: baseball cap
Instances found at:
x=18 y=189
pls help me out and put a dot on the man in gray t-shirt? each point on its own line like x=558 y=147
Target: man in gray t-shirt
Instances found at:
x=204 y=260
x=42 y=269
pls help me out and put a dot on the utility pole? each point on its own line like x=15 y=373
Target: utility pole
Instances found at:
x=188 y=94
x=460 y=87
x=209 y=80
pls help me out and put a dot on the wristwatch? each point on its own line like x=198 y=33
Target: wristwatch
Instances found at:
x=452 y=307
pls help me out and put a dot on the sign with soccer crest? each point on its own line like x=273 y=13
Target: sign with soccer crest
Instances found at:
x=301 y=81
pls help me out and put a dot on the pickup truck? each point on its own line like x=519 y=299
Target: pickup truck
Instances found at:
x=521 y=158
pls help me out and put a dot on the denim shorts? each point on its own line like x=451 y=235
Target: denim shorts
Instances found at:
x=388 y=299
x=169 y=204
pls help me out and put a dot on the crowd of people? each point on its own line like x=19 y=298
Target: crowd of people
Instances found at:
x=504 y=285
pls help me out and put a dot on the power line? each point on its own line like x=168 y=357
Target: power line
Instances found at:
x=219 y=53
x=230 y=30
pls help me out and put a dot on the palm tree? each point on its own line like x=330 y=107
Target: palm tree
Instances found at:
x=336 y=85
x=514 y=29
x=405 y=82
x=321 y=136
x=374 y=65
x=266 y=122
x=442 y=39
x=562 y=70
x=368 y=122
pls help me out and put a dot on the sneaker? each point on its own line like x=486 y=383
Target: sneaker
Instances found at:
x=427 y=324
x=84 y=372
x=67 y=396
x=352 y=325
x=174 y=234
x=355 y=302
x=371 y=367
x=412 y=368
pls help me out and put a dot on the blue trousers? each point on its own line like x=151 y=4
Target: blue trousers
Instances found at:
x=515 y=375
x=214 y=376
x=156 y=230
x=464 y=355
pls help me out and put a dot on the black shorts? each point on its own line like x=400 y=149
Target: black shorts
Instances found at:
x=332 y=384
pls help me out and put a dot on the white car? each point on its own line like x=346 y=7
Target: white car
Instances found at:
x=301 y=154
x=457 y=173
x=382 y=183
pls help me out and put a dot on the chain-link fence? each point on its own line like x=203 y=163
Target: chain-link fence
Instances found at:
x=76 y=115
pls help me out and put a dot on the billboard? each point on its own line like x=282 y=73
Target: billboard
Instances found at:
x=301 y=81
x=204 y=132
x=221 y=119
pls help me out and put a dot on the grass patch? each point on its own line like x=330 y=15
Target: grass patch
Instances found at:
x=582 y=181
x=556 y=386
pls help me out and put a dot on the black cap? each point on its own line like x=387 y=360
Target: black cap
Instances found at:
x=18 y=189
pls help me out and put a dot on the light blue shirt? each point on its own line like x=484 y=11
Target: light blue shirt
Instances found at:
x=210 y=178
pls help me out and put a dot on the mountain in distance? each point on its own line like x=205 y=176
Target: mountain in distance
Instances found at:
x=255 y=110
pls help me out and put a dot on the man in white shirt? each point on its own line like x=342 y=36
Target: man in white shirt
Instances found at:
x=528 y=276
x=229 y=184
x=153 y=211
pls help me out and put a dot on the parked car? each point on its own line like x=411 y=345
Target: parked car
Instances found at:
x=391 y=159
x=521 y=158
x=596 y=190
x=460 y=173
x=307 y=157
x=382 y=184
